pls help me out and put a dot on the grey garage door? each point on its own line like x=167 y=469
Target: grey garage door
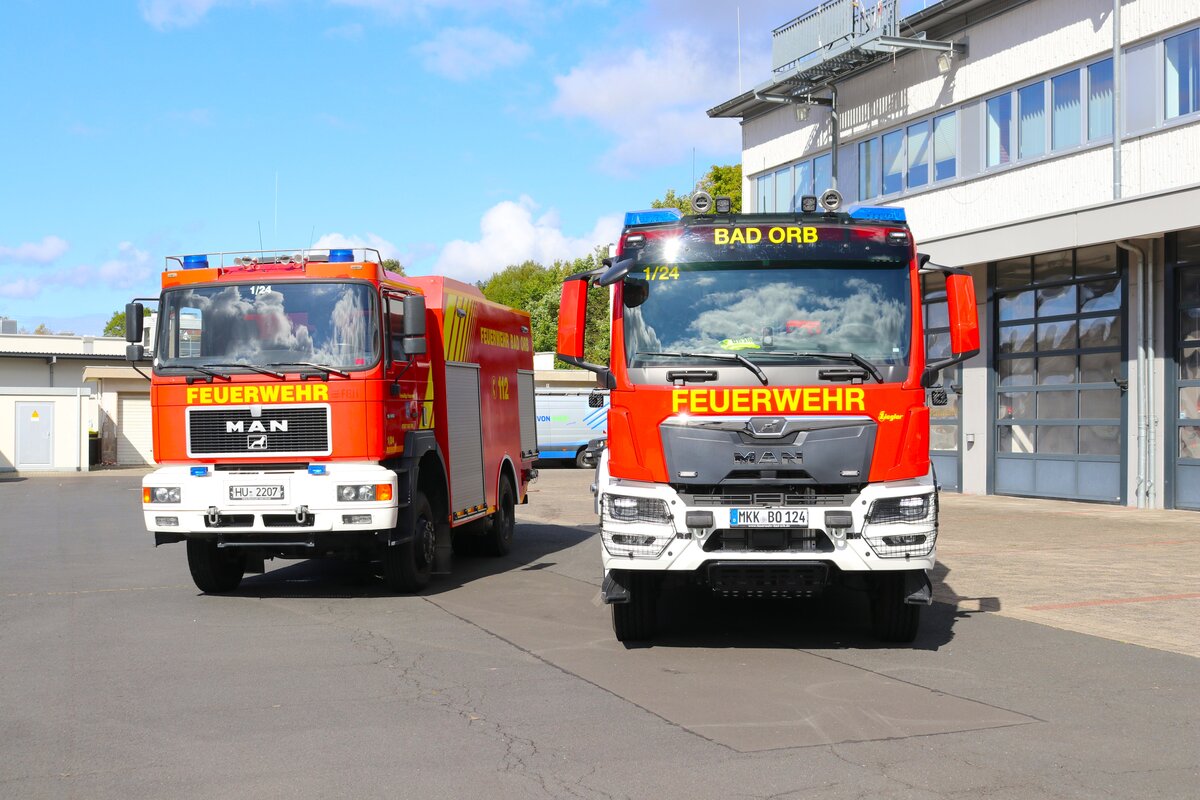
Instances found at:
x=134 y=438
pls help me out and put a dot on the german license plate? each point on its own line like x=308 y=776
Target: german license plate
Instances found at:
x=255 y=492
x=768 y=517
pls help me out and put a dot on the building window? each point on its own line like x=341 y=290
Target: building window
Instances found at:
x=1031 y=126
x=945 y=146
x=893 y=162
x=1066 y=115
x=766 y=193
x=783 y=189
x=822 y=173
x=999 y=130
x=868 y=169
x=918 y=154
x=1100 y=99
x=804 y=182
x=1182 y=73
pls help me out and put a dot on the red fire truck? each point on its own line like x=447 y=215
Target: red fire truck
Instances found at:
x=315 y=404
x=768 y=432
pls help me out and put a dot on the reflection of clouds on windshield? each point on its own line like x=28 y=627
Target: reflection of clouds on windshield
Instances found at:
x=854 y=314
x=349 y=328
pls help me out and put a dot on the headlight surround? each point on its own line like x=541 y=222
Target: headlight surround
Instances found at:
x=647 y=542
x=903 y=527
x=160 y=494
x=623 y=508
x=363 y=492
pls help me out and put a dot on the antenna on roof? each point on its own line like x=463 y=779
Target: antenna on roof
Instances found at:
x=260 y=247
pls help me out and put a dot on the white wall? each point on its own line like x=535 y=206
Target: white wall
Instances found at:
x=71 y=413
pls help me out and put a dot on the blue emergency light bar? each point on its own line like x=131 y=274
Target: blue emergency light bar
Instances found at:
x=336 y=256
x=195 y=262
x=653 y=216
x=879 y=213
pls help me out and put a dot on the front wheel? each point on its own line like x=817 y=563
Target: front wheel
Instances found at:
x=636 y=619
x=407 y=566
x=581 y=459
x=892 y=619
x=499 y=538
x=215 y=569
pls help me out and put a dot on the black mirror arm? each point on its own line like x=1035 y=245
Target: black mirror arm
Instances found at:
x=929 y=377
x=602 y=372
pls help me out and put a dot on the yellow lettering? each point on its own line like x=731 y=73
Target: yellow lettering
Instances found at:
x=252 y=395
x=721 y=407
x=700 y=401
x=831 y=399
x=741 y=401
x=812 y=399
x=288 y=394
x=269 y=394
x=192 y=394
x=321 y=394
x=760 y=400
x=810 y=235
x=794 y=235
x=237 y=394
x=304 y=394
x=720 y=236
x=776 y=235
x=679 y=397
x=855 y=400
x=787 y=399
x=737 y=236
x=753 y=235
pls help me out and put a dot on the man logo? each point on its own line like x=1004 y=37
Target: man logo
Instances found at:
x=255 y=426
x=256 y=443
x=766 y=426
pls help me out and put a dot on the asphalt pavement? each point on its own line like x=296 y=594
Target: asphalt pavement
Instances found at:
x=1060 y=660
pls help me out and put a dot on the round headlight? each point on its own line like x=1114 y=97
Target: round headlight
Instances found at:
x=347 y=492
x=366 y=493
x=162 y=494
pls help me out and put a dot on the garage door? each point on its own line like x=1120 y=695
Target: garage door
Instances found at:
x=134 y=440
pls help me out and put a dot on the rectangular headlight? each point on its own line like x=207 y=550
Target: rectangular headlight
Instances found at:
x=160 y=494
x=620 y=508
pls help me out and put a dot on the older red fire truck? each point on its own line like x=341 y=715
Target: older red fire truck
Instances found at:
x=315 y=404
x=768 y=432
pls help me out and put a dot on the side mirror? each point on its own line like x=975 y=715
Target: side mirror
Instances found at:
x=634 y=292
x=964 y=325
x=134 y=324
x=414 y=325
x=964 y=317
x=572 y=319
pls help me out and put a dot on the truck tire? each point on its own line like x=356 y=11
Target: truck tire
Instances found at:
x=215 y=569
x=581 y=459
x=892 y=619
x=636 y=620
x=407 y=566
x=499 y=538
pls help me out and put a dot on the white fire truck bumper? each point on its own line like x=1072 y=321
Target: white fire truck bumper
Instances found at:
x=262 y=500
x=887 y=526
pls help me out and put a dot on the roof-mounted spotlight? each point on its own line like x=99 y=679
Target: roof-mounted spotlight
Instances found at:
x=831 y=200
x=702 y=202
x=808 y=204
x=724 y=205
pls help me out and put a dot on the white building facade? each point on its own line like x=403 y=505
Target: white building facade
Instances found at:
x=1061 y=165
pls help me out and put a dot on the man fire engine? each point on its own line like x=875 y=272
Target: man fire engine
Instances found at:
x=768 y=432
x=316 y=404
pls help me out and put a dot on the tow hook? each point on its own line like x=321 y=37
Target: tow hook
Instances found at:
x=213 y=516
x=301 y=515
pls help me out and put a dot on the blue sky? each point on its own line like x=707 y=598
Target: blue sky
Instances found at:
x=457 y=136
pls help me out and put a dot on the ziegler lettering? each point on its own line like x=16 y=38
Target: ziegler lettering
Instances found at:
x=767 y=401
x=255 y=426
x=768 y=457
x=254 y=395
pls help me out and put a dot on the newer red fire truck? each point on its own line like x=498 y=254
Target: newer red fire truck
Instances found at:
x=768 y=432
x=316 y=404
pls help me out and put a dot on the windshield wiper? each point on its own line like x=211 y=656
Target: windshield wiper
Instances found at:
x=736 y=357
x=853 y=358
x=251 y=367
x=327 y=370
x=201 y=370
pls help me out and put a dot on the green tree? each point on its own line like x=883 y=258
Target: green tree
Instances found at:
x=390 y=264
x=116 y=323
x=719 y=181
x=42 y=330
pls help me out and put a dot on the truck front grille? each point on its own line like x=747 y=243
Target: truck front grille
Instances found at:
x=236 y=432
x=816 y=496
x=768 y=540
x=767 y=578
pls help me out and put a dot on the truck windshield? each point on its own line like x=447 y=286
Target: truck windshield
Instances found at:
x=784 y=313
x=330 y=324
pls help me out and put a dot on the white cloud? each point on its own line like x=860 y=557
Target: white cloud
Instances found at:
x=462 y=53
x=653 y=101
x=167 y=14
x=509 y=234
x=130 y=268
x=21 y=288
x=49 y=249
x=386 y=249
